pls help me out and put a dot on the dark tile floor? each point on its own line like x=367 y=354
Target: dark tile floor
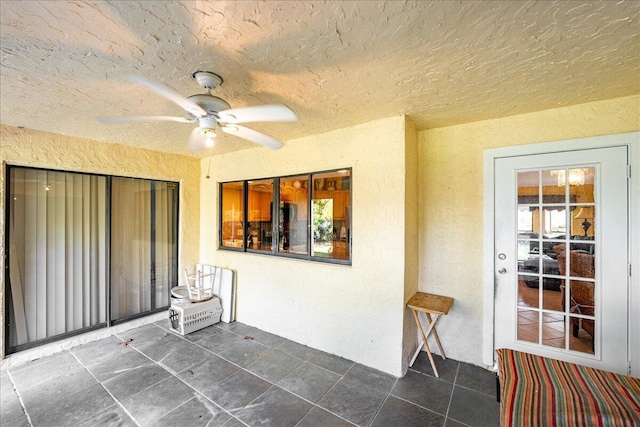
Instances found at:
x=235 y=375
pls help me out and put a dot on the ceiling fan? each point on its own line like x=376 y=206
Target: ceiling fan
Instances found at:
x=211 y=112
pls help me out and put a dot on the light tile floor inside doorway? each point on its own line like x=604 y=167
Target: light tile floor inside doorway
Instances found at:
x=553 y=324
x=235 y=375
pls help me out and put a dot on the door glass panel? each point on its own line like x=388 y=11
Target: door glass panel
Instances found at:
x=552 y=296
x=232 y=210
x=528 y=325
x=528 y=291
x=553 y=330
x=583 y=222
x=554 y=222
x=584 y=193
x=581 y=338
x=143 y=245
x=556 y=207
x=259 y=209
x=56 y=282
x=553 y=187
x=294 y=215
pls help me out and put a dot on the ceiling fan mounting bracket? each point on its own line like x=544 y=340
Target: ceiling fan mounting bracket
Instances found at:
x=207 y=79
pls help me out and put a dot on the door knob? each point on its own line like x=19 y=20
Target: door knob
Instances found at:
x=502 y=270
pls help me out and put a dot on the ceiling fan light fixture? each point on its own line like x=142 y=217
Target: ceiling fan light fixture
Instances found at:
x=207 y=122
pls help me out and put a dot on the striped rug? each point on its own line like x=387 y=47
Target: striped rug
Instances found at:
x=538 y=391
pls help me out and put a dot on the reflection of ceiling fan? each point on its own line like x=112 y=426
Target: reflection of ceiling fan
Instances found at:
x=211 y=112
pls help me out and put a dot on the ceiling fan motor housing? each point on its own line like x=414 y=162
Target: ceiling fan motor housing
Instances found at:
x=209 y=103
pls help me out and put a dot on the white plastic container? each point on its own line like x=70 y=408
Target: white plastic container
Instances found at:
x=187 y=317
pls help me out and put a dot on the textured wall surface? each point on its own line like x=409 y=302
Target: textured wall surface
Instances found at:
x=46 y=150
x=439 y=62
x=352 y=311
x=451 y=202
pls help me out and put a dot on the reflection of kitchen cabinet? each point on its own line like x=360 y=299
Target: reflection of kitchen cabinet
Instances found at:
x=320 y=194
x=340 y=250
x=232 y=204
x=259 y=206
x=265 y=206
x=341 y=200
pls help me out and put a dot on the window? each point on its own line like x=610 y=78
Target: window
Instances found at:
x=81 y=243
x=311 y=219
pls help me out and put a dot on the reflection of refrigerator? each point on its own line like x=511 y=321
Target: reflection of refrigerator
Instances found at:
x=288 y=222
x=289 y=215
x=347 y=222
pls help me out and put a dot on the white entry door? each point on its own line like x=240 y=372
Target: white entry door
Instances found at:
x=561 y=256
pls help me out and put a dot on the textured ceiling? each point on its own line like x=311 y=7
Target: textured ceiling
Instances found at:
x=334 y=63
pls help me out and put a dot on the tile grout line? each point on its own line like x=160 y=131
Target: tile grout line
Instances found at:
x=453 y=388
x=178 y=378
x=276 y=383
x=315 y=404
x=383 y=402
x=171 y=374
x=105 y=389
x=419 y=406
x=331 y=388
x=166 y=332
x=244 y=369
x=15 y=389
x=342 y=376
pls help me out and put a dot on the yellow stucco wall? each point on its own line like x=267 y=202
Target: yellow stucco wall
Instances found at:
x=31 y=148
x=352 y=311
x=451 y=202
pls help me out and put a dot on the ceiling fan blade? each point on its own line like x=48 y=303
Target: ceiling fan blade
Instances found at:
x=126 y=119
x=173 y=96
x=197 y=141
x=259 y=113
x=253 y=136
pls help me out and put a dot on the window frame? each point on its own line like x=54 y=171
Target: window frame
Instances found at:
x=275 y=218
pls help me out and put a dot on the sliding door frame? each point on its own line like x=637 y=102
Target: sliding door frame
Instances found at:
x=7 y=292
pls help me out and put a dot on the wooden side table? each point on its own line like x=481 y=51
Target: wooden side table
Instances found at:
x=435 y=305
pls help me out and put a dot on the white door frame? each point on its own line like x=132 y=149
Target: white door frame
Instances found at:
x=630 y=140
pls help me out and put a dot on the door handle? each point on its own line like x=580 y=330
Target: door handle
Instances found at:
x=502 y=270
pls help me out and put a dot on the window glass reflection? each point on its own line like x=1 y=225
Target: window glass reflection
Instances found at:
x=259 y=212
x=331 y=210
x=293 y=215
x=232 y=214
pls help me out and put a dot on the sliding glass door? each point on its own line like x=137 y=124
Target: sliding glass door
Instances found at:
x=143 y=245
x=78 y=244
x=57 y=254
